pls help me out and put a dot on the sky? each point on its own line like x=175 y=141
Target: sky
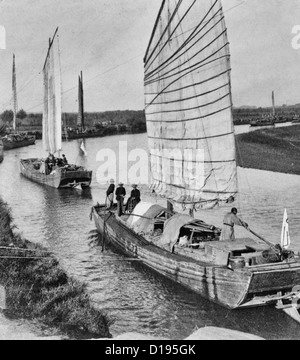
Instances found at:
x=107 y=39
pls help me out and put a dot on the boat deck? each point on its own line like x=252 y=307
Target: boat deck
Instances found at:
x=209 y=254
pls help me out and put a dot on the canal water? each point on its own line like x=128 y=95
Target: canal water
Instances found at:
x=134 y=298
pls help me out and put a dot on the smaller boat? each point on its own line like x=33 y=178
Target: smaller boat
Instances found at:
x=268 y=121
x=81 y=132
x=14 y=141
x=54 y=171
x=1 y=151
x=296 y=119
x=262 y=122
x=69 y=176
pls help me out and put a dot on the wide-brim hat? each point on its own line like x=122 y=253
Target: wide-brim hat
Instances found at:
x=134 y=185
x=121 y=184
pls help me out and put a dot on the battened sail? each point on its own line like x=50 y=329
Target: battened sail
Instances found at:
x=80 y=117
x=52 y=132
x=189 y=106
x=14 y=91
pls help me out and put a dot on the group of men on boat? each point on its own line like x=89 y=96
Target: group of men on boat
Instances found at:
x=134 y=199
x=51 y=161
x=230 y=219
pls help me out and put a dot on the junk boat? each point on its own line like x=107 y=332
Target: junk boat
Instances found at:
x=37 y=170
x=190 y=128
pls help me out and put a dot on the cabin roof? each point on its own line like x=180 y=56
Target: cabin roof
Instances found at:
x=143 y=216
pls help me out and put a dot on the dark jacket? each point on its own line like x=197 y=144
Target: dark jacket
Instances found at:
x=110 y=189
x=120 y=191
x=135 y=193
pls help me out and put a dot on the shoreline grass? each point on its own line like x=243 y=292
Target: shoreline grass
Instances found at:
x=37 y=288
x=273 y=149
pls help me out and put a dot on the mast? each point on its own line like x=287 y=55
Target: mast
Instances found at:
x=80 y=117
x=14 y=89
x=273 y=104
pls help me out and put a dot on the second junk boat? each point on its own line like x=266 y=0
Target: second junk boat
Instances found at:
x=189 y=112
x=60 y=175
x=81 y=132
x=15 y=139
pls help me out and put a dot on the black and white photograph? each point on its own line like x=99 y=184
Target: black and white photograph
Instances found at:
x=150 y=172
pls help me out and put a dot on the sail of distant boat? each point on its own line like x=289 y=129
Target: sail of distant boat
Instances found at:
x=14 y=90
x=83 y=149
x=80 y=117
x=52 y=115
x=189 y=105
x=285 y=234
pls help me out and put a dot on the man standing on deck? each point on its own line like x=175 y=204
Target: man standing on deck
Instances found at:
x=231 y=219
x=120 y=195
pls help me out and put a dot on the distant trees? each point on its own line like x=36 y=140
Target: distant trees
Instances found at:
x=137 y=125
x=21 y=114
x=7 y=116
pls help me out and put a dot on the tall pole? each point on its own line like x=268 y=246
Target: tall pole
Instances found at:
x=82 y=103
x=273 y=103
x=14 y=88
x=80 y=116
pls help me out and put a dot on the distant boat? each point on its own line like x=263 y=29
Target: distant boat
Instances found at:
x=60 y=175
x=268 y=121
x=81 y=131
x=15 y=139
x=1 y=151
x=262 y=122
x=189 y=107
x=296 y=119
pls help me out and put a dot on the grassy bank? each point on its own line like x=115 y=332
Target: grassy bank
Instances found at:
x=37 y=288
x=272 y=149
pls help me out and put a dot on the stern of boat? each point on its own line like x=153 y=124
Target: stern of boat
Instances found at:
x=75 y=179
x=271 y=283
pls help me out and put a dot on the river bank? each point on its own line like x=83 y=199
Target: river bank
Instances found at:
x=38 y=289
x=272 y=149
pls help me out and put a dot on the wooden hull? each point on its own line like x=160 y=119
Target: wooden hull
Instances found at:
x=1 y=151
x=60 y=178
x=232 y=289
x=9 y=145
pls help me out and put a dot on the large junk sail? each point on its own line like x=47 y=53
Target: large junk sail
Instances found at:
x=189 y=105
x=52 y=132
x=14 y=91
